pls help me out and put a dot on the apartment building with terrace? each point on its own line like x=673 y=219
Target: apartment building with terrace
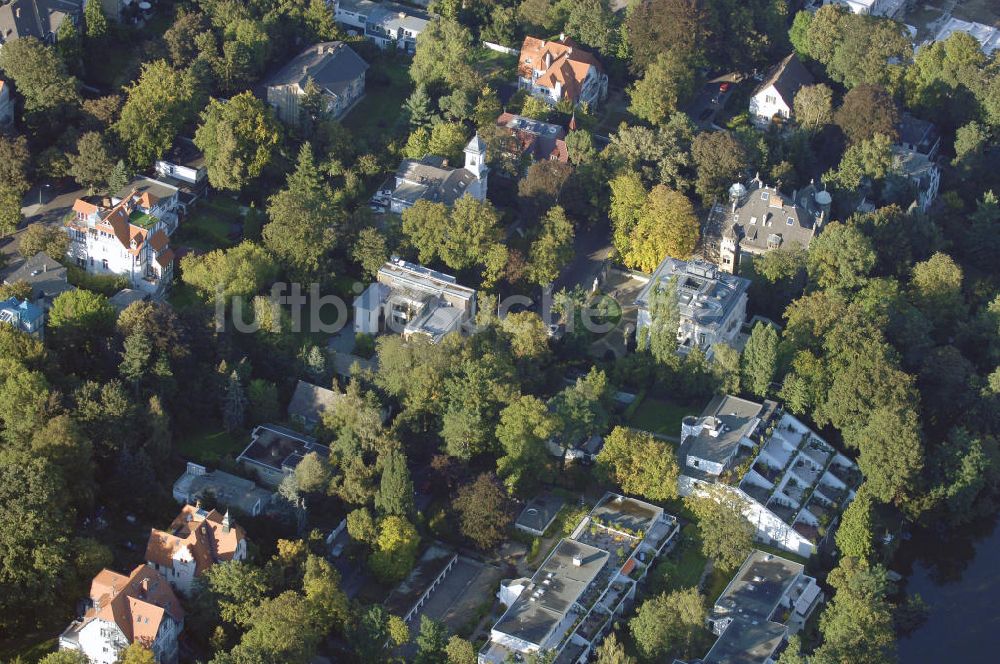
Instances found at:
x=794 y=484
x=588 y=581
x=769 y=599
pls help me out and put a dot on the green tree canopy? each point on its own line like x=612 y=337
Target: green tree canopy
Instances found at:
x=726 y=535
x=304 y=220
x=760 y=359
x=156 y=106
x=483 y=511
x=239 y=138
x=639 y=463
x=668 y=624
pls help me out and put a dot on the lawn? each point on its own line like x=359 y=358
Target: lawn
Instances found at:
x=490 y=64
x=210 y=225
x=378 y=117
x=210 y=444
x=30 y=648
x=683 y=567
x=661 y=416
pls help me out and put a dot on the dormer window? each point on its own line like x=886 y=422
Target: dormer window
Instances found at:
x=765 y=195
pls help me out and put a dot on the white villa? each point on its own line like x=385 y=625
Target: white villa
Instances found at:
x=554 y=71
x=411 y=299
x=122 y=610
x=196 y=540
x=794 y=484
x=127 y=235
x=387 y=24
x=584 y=586
x=713 y=304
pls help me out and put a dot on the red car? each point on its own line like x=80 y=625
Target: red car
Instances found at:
x=724 y=87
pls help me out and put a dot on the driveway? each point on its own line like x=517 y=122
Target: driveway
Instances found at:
x=56 y=201
x=591 y=249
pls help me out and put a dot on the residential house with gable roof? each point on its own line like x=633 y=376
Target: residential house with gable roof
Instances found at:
x=196 y=540
x=310 y=403
x=775 y=96
x=336 y=70
x=121 y=610
x=6 y=106
x=560 y=70
x=46 y=277
x=40 y=19
x=914 y=158
x=127 y=235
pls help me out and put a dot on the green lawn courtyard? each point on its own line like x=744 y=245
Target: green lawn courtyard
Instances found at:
x=211 y=225
x=661 y=416
x=211 y=444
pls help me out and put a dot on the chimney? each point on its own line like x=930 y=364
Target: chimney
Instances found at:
x=577 y=561
x=226 y=525
x=145 y=585
x=562 y=36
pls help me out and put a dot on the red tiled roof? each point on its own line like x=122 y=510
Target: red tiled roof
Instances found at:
x=203 y=535
x=568 y=66
x=136 y=603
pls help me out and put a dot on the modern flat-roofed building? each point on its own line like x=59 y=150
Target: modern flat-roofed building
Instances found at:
x=792 y=483
x=769 y=599
x=387 y=24
x=411 y=299
x=274 y=452
x=713 y=304
x=226 y=490
x=587 y=582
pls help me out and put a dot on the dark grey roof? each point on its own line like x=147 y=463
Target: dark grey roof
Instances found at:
x=404 y=596
x=764 y=218
x=311 y=401
x=539 y=513
x=333 y=66
x=756 y=589
x=920 y=134
x=35 y=18
x=734 y=418
x=46 y=276
x=746 y=642
x=427 y=179
x=554 y=588
x=787 y=77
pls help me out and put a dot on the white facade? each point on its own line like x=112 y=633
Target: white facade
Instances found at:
x=768 y=103
x=795 y=489
x=871 y=7
x=712 y=304
x=386 y=24
x=105 y=241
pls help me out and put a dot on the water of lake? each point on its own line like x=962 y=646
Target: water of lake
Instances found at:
x=958 y=575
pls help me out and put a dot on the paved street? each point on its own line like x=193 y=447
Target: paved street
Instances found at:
x=56 y=201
